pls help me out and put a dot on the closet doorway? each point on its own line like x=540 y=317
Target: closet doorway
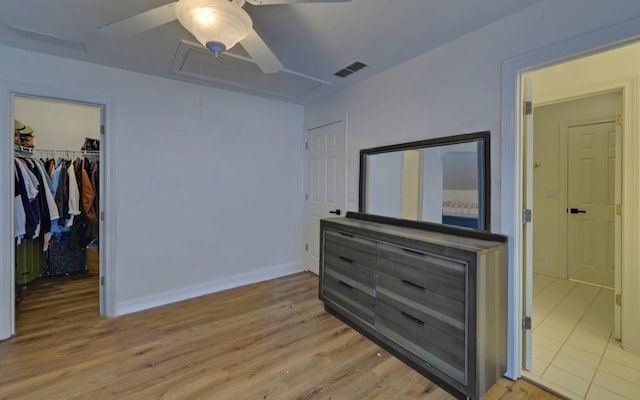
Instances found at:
x=57 y=203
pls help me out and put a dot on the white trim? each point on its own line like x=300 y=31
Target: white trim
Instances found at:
x=511 y=166
x=202 y=289
x=320 y=123
x=7 y=91
x=527 y=231
x=7 y=271
x=108 y=242
x=630 y=269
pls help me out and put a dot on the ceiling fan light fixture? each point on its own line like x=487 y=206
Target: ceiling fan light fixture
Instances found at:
x=216 y=24
x=216 y=48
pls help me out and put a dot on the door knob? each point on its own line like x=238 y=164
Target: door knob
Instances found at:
x=336 y=211
x=577 y=211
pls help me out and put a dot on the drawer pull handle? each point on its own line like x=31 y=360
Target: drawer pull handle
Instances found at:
x=345 y=284
x=346 y=235
x=413 y=252
x=345 y=259
x=412 y=318
x=415 y=285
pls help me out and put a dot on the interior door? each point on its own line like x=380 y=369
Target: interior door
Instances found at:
x=591 y=200
x=528 y=226
x=325 y=184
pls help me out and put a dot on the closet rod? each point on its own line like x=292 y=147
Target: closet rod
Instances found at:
x=31 y=150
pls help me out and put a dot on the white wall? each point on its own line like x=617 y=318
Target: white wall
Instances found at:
x=58 y=125
x=411 y=185
x=456 y=88
x=384 y=184
x=549 y=177
x=208 y=183
x=575 y=77
x=432 y=188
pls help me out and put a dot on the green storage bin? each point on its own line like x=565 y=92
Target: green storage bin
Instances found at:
x=31 y=261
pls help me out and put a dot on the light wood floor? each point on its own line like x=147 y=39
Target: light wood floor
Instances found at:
x=271 y=340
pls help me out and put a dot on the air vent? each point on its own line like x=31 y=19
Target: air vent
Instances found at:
x=356 y=66
x=350 y=69
x=343 y=73
x=48 y=38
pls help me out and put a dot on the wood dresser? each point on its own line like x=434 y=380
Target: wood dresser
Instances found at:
x=436 y=301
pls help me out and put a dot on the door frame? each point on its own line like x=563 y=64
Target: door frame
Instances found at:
x=627 y=89
x=512 y=72
x=316 y=124
x=8 y=91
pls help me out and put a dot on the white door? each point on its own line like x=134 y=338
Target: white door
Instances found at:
x=591 y=203
x=527 y=124
x=325 y=184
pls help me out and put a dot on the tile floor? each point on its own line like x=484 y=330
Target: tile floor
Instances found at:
x=574 y=352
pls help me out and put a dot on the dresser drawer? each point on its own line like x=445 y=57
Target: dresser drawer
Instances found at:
x=349 y=297
x=430 y=272
x=409 y=329
x=342 y=266
x=351 y=243
x=350 y=255
x=437 y=310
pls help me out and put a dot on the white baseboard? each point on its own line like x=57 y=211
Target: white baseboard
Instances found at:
x=173 y=296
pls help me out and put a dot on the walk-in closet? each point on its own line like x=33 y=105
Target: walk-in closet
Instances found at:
x=56 y=197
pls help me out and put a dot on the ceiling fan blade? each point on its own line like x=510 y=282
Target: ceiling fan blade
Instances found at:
x=135 y=24
x=260 y=53
x=270 y=2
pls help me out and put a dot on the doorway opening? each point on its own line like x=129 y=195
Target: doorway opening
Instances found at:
x=578 y=158
x=58 y=165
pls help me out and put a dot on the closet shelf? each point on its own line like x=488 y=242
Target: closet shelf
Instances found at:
x=56 y=153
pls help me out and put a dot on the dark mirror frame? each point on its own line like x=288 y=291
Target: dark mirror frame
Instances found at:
x=484 y=186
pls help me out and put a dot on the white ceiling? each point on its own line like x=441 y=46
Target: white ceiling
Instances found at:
x=311 y=39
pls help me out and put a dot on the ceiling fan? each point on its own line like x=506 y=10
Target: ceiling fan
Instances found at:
x=217 y=24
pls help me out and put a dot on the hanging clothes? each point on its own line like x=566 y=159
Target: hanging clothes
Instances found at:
x=28 y=193
x=40 y=201
x=56 y=202
x=51 y=203
x=74 y=194
x=94 y=173
x=44 y=173
x=56 y=208
x=88 y=196
x=50 y=214
x=61 y=185
x=20 y=217
x=30 y=180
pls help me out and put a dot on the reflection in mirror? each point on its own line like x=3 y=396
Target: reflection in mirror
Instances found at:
x=441 y=180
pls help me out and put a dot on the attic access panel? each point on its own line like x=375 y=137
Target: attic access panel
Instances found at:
x=233 y=70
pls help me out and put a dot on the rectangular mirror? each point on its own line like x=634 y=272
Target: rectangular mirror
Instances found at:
x=443 y=180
